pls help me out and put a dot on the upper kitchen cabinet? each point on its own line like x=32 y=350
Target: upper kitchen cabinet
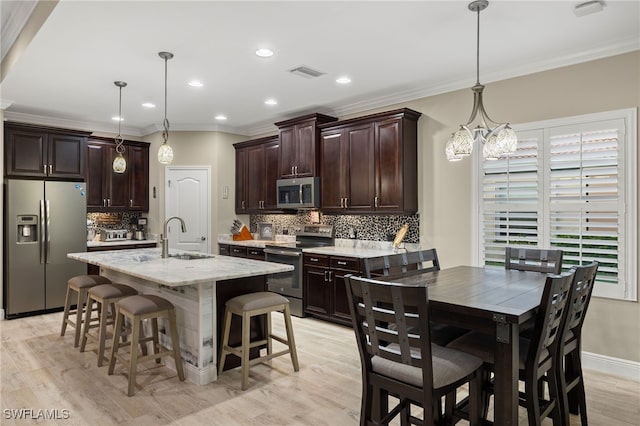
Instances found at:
x=45 y=152
x=298 y=145
x=369 y=164
x=108 y=191
x=256 y=175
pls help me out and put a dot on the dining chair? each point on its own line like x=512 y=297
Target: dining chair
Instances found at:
x=531 y=259
x=404 y=364
x=539 y=356
x=401 y=262
x=571 y=379
x=425 y=260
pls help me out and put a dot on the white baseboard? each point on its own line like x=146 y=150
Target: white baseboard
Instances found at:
x=610 y=365
x=1 y=314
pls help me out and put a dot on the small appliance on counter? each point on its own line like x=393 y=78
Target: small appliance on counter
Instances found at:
x=141 y=233
x=113 y=235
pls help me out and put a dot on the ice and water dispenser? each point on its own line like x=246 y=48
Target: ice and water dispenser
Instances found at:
x=27 y=228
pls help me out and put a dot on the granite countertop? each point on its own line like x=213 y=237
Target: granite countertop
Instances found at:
x=174 y=272
x=119 y=243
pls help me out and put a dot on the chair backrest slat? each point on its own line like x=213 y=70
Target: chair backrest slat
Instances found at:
x=391 y=321
x=401 y=262
x=583 y=282
x=531 y=259
x=548 y=330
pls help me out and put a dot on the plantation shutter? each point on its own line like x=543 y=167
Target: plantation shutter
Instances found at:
x=566 y=187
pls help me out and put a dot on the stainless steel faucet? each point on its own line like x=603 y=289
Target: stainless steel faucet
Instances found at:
x=164 y=240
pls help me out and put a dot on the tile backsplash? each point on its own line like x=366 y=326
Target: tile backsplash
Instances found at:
x=361 y=227
x=124 y=220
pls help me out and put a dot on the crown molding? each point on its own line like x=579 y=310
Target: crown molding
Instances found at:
x=68 y=124
x=347 y=108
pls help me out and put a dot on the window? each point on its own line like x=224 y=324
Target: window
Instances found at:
x=570 y=185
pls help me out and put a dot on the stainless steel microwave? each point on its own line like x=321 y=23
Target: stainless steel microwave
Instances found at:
x=298 y=193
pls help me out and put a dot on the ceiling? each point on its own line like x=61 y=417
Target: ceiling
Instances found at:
x=393 y=51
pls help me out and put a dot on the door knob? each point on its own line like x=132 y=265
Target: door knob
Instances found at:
x=203 y=238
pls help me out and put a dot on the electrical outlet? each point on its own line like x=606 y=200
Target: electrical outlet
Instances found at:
x=225 y=192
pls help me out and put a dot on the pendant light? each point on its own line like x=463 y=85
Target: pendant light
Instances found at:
x=496 y=141
x=119 y=163
x=165 y=153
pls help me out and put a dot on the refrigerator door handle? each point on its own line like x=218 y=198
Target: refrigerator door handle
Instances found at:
x=48 y=214
x=43 y=247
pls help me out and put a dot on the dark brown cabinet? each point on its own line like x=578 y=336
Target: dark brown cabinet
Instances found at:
x=298 y=145
x=256 y=175
x=369 y=164
x=109 y=191
x=37 y=151
x=255 y=253
x=325 y=291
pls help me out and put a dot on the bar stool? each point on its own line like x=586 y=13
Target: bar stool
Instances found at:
x=247 y=306
x=138 y=308
x=104 y=295
x=79 y=284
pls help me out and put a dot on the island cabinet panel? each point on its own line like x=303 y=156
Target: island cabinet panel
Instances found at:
x=256 y=175
x=376 y=159
x=299 y=145
x=325 y=291
x=34 y=151
x=108 y=191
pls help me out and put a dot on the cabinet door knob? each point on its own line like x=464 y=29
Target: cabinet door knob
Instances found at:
x=346 y=202
x=131 y=203
x=50 y=169
x=375 y=201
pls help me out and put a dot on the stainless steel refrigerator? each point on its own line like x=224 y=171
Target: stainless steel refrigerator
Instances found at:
x=44 y=220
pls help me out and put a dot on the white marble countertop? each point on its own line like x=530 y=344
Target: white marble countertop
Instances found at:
x=173 y=272
x=119 y=243
x=357 y=252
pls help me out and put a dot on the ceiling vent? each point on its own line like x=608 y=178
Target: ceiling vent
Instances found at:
x=306 y=72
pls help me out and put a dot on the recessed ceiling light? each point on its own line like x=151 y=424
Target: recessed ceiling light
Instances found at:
x=116 y=118
x=195 y=83
x=264 y=53
x=221 y=117
x=149 y=105
x=271 y=101
x=343 y=80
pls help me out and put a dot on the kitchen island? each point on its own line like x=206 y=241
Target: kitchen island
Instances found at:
x=198 y=285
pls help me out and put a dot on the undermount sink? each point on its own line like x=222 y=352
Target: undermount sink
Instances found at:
x=191 y=256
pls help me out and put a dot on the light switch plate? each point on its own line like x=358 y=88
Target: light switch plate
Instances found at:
x=225 y=192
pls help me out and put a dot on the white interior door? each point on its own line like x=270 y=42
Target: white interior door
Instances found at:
x=188 y=196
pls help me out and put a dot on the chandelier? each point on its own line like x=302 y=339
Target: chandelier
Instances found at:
x=165 y=153
x=496 y=139
x=119 y=163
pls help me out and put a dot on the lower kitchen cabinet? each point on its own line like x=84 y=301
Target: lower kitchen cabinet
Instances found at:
x=325 y=291
x=255 y=253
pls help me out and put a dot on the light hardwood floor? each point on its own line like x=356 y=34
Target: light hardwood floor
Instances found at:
x=39 y=370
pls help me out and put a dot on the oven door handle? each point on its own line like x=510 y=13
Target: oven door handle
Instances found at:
x=283 y=252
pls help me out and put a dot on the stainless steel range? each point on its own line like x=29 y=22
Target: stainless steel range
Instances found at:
x=289 y=284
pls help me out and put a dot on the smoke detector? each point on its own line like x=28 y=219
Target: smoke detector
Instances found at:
x=306 y=72
x=588 y=7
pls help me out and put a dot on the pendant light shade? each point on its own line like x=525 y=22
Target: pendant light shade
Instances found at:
x=497 y=140
x=119 y=163
x=165 y=153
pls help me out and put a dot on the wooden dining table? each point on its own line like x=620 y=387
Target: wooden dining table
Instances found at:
x=492 y=300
